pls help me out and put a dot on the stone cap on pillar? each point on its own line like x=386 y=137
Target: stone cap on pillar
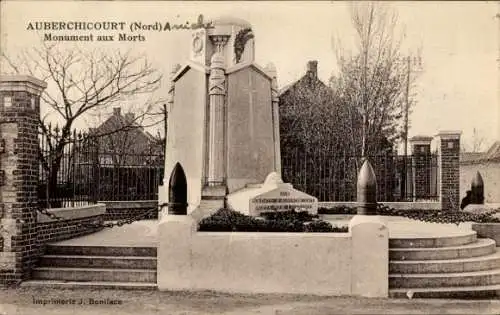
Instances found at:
x=27 y=83
x=421 y=140
x=449 y=134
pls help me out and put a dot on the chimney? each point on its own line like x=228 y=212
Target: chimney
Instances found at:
x=116 y=110
x=312 y=68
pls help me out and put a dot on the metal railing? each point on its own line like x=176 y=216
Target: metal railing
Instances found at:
x=83 y=173
x=333 y=177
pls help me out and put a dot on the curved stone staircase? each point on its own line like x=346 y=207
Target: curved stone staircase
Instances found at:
x=459 y=266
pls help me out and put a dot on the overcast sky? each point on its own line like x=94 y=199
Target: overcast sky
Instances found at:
x=458 y=89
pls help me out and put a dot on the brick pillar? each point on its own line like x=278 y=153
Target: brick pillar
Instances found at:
x=421 y=151
x=449 y=169
x=19 y=116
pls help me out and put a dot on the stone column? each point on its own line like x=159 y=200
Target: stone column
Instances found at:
x=19 y=118
x=217 y=97
x=271 y=69
x=421 y=150
x=449 y=169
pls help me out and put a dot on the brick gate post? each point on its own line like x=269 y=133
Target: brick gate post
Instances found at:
x=19 y=164
x=421 y=156
x=449 y=169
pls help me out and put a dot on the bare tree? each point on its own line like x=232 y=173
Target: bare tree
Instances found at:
x=476 y=144
x=372 y=82
x=81 y=83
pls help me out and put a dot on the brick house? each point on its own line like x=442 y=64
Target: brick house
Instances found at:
x=122 y=141
x=488 y=164
x=298 y=102
x=126 y=161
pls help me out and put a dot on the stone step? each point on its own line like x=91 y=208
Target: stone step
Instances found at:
x=482 y=247
x=431 y=242
x=94 y=274
x=59 y=284
x=487 y=262
x=116 y=262
x=435 y=280
x=482 y=291
x=55 y=249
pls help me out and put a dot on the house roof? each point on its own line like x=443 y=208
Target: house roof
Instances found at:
x=118 y=122
x=494 y=151
x=312 y=69
x=493 y=154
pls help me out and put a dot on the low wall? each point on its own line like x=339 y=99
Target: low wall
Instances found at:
x=490 y=171
x=417 y=205
x=354 y=263
x=119 y=210
x=73 y=225
x=488 y=230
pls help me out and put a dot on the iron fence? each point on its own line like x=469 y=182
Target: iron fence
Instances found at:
x=81 y=172
x=333 y=177
x=64 y=180
x=129 y=176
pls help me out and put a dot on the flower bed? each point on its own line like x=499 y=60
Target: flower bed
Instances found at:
x=455 y=217
x=345 y=210
x=226 y=220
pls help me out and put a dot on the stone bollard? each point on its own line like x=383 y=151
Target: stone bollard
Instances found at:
x=477 y=190
x=177 y=192
x=367 y=190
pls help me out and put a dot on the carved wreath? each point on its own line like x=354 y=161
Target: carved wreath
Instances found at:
x=240 y=41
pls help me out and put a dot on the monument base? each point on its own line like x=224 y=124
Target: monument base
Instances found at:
x=214 y=192
x=272 y=195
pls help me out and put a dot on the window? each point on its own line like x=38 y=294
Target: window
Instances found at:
x=7 y=101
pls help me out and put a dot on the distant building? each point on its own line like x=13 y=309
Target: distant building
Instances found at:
x=308 y=80
x=122 y=161
x=297 y=100
x=123 y=142
x=317 y=154
x=488 y=164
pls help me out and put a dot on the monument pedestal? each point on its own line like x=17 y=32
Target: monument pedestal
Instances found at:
x=214 y=192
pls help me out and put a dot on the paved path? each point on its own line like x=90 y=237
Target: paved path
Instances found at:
x=23 y=302
x=139 y=233
x=144 y=233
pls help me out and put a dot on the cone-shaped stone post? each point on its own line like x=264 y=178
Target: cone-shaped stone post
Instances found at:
x=367 y=190
x=177 y=191
x=477 y=190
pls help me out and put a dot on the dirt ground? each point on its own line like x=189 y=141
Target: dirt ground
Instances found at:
x=48 y=301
